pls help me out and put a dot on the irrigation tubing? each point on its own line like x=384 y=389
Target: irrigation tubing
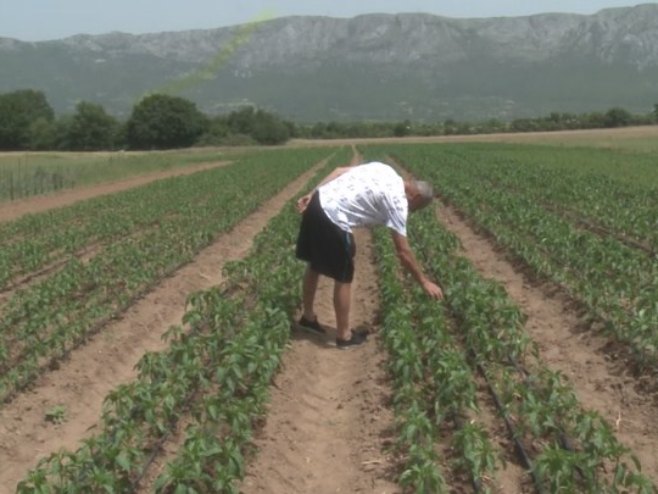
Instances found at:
x=518 y=446
x=565 y=441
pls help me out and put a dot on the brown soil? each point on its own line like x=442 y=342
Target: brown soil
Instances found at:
x=108 y=360
x=12 y=210
x=511 y=477
x=565 y=345
x=329 y=423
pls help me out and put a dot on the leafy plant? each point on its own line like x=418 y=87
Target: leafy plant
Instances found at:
x=56 y=414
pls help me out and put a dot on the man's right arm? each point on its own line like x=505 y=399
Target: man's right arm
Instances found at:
x=408 y=260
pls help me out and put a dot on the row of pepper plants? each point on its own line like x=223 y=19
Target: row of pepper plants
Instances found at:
x=434 y=390
x=212 y=458
x=42 y=323
x=215 y=373
x=586 y=185
x=37 y=241
x=616 y=282
x=563 y=447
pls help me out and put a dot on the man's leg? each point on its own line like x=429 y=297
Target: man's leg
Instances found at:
x=342 y=299
x=309 y=287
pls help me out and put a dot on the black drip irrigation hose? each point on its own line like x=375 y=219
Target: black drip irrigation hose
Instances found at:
x=155 y=451
x=565 y=441
x=518 y=446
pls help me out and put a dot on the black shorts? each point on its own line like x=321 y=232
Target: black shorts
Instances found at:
x=328 y=249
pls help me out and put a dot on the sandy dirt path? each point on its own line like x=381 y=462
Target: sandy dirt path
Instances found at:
x=328 y=422
x=565 y=345
x=12 y=210
x=108 y=360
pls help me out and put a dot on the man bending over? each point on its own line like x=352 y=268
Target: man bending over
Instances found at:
x=350 y=197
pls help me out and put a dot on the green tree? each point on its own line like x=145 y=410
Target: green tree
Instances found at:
x=18 y=111
x=617 y=117
x=655 y=112
x=269 y=129
x=493 y=125
x=318 y=131
x=402 y=129
x=216 y=133
x=242 y=121
x=161 y=121
x=91 y=128
x=62 y=133
x=264 y=127
x=42 y=135
x=449 y=127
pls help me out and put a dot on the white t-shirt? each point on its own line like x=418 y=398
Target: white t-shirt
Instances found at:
x=366 y=195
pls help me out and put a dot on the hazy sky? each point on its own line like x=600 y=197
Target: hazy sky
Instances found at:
x=35 y=20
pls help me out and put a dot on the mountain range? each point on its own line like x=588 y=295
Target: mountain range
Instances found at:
x=413 y=66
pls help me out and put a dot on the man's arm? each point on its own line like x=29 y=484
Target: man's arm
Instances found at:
x=408 y=260
x=302 y=203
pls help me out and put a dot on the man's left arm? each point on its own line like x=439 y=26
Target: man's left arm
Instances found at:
x=408 y=260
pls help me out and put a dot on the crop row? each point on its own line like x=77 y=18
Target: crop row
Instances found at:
x=434 y=388
x=36 y=241
x=617 y=283
x=216 y=372
x=31 y=174
x=566 y=448
x=561 y=182
x=563 y=447
x=42 y=323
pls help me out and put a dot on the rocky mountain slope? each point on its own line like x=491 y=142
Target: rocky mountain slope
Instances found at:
x=416 y=66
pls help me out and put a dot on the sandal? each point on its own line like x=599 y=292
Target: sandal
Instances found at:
x=357 y=338
x=311 y=326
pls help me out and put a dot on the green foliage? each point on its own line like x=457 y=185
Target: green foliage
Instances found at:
x=145 y=233
x=402 y=129
x=31 y=174
x=56 y=414
x=505 y=199
x=215 y=370
x=91 y=128
x=42 y=135
x=161 y=121
x=587 y=230
x=264 y=127
x=217 y=133
x=617 y=117
x=245 y=127
x=269 y=129
x=19 y=110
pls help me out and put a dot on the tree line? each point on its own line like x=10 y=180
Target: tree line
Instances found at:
x=614 y=117
x=160 y=121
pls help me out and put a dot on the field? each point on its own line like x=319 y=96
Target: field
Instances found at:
x=146 y=342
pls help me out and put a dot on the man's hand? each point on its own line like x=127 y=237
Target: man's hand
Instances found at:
x=302 y=202
x=408 y=260
x=433 y=290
